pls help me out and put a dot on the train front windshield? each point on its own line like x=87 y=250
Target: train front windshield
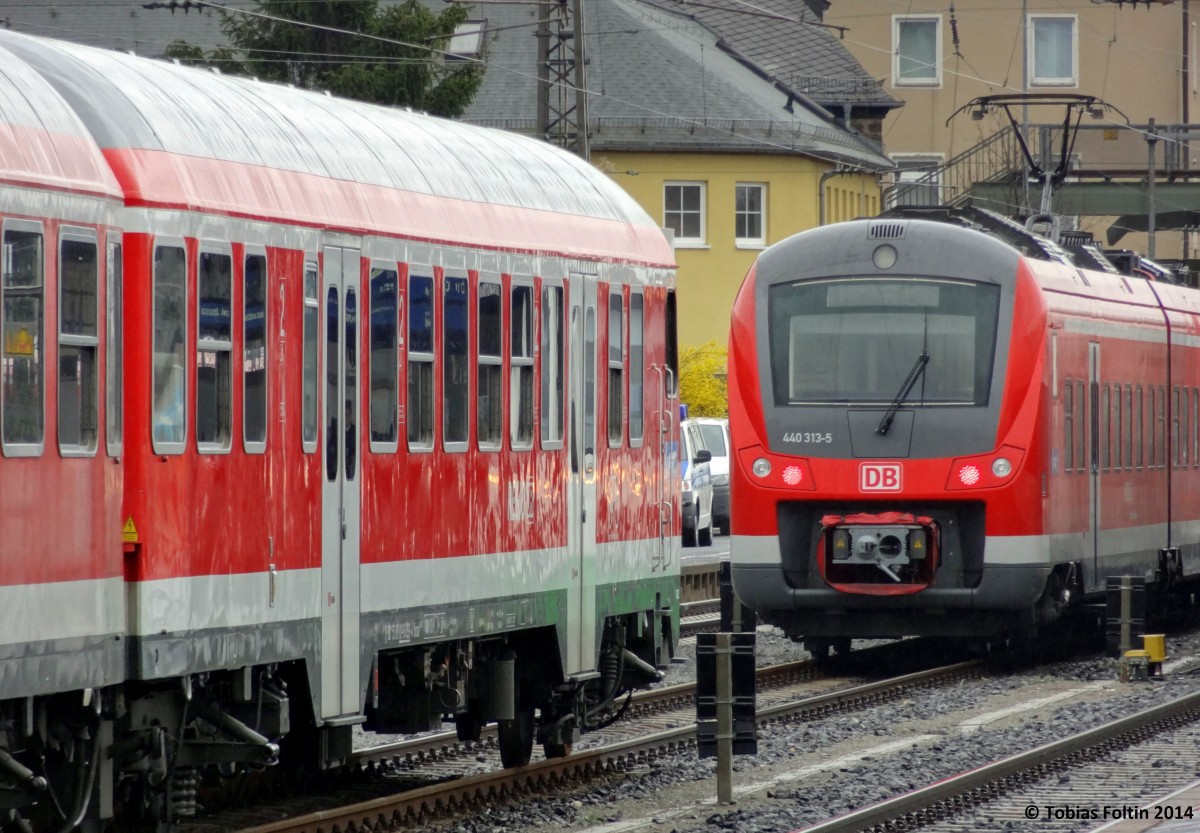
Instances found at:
x=860 y=340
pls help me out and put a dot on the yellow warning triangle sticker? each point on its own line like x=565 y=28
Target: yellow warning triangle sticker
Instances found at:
x=129 y=533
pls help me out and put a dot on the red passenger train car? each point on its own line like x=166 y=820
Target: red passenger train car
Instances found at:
x=946 y=425
x=380 y=432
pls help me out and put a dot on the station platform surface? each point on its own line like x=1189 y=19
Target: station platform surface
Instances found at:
x=1163 y=815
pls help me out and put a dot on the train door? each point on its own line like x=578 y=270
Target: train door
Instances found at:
x=665 y=435
x=1092 y=546
x=581 y=521
x=340 y=493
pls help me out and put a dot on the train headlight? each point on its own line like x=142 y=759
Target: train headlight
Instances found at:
x=1001 y=467
x=761 y=467
x=968 y=475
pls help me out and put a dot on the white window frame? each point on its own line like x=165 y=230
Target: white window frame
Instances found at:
x=898 y=22
x=751 y=242
x=1039 y=81
x=689 y=242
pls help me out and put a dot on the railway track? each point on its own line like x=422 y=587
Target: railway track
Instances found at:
x=439 y=777
x=1095 y=776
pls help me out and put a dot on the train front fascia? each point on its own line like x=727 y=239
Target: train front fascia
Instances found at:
x=883 y=461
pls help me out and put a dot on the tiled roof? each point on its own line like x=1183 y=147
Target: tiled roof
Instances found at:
x=116 y=24
x=660 y=81
x=790 y=45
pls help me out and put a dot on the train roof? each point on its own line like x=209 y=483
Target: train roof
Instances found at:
x=184 y=137
x=43 y=143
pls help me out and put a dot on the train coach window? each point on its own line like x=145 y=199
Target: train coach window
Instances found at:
x=385 y=284
x=169 y=408
x=456 y=403
x=114 y=335
x=1081 y=458
x=214 y=351
x=78 y=342
x=254 y=352
x=419 y=412
x=1127 y=422
x=637 y=369
x=23 y=300
x=877 y=329
x=1195 y=418
x=312 y=320
x=490 y=394
x=1160 y=427
x=520 y=403
x=1105 y=423
x=616 y=367
x=552 y=359
x=1139 y=435
x=1068 y=427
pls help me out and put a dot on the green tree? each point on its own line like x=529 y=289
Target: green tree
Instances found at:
x=305 y=42
x=702 y=381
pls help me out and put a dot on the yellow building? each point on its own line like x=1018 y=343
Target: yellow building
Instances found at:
x=748 y=202
x=1139 y=57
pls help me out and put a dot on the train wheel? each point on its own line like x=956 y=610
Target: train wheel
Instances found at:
x=516 y=738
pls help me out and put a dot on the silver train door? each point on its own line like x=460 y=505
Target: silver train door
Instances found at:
x=581 y=521
x=340 y=493
x=1095 y=406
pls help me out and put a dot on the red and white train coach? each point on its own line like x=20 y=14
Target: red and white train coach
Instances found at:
x=951 y=428
x=399 y=445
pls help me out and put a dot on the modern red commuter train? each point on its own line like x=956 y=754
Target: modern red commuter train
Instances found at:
x=314 y=414
x=944 y=425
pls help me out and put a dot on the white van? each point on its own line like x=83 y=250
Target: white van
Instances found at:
x=697 y=486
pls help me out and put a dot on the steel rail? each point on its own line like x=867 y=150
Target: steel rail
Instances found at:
x=939 y=798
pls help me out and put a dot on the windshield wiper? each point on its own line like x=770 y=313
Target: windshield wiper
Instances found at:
x=885 y=424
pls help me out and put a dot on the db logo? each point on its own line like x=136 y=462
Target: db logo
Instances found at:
x=879 y=477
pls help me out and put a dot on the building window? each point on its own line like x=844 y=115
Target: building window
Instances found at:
x=419 y=412
x=683 y=211
x=467 y=41
x=918 y=180
x=78 y=342
x=1052 y=55
x=214 y=351
x=916 y=45
x=750 y=201
x=520 y=416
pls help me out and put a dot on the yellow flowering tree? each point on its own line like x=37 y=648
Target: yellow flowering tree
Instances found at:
x=702 y=381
